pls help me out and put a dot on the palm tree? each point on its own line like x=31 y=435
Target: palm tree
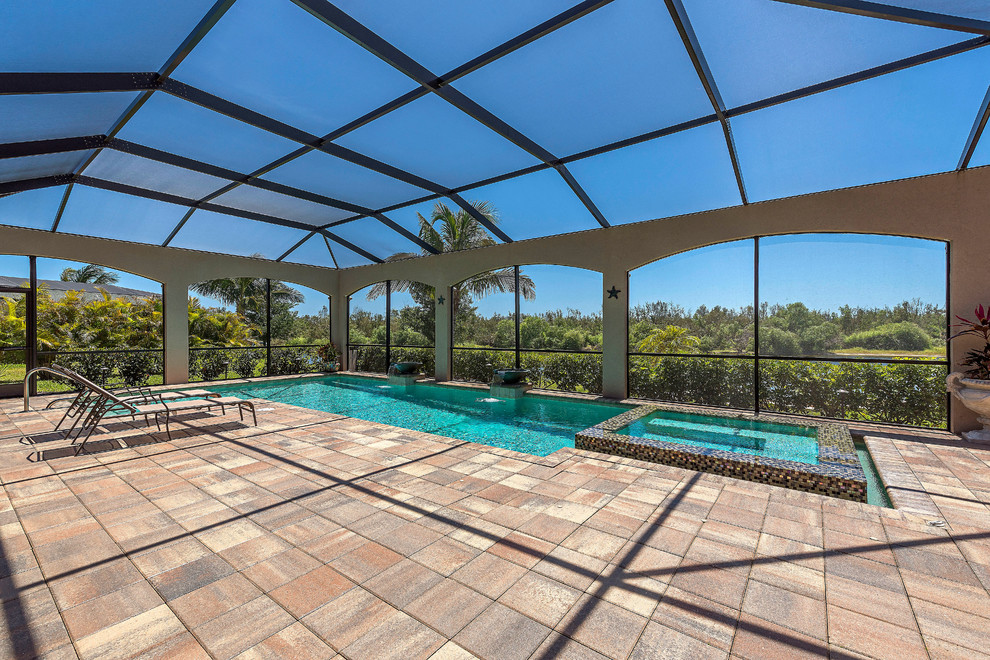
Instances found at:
x=247 y=294
x=90 y=273
x=450 y=231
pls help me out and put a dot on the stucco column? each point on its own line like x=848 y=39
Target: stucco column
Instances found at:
x=338 y=326
x=614 y=332
x=442 y=334
x=175 y=305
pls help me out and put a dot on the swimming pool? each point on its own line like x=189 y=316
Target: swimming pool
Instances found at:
x=533 y=424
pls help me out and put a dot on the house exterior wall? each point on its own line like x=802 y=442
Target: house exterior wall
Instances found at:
x=951 y=207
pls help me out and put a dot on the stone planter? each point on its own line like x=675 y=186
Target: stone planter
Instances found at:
x=975 y=395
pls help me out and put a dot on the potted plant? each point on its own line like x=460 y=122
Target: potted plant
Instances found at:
x=973 y=386
x=327 y=355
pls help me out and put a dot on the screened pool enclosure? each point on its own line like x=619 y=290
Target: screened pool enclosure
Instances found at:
x=416 y=166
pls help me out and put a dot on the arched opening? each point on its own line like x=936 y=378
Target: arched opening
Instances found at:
x=849 y=326
x=544 y=318
x=104 y=323
x=245 y=327
x=391 y=321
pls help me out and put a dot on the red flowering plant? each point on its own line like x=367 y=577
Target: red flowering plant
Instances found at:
x=977 y=359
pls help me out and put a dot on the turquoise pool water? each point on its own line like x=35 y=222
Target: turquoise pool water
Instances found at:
x=743 y=436
x=534 y=424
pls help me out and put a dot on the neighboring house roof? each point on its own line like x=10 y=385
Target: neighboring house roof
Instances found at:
x=84 y=287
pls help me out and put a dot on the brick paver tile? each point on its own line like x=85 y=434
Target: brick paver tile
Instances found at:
x=500 y=633
x=446 y=555
x=189 y=577
x=403 y=582
x=489 y=575
x=872 y=637
x=889 y=606
x=521 y=549
x=242 y=627
x=365 y=561
x=952 y=625
x=398 y=637
x=540 y=598
x=636 y=592
x=659 y=642
x=105 y=611
x=311 y=590
x=208 y=602
x=602 y=626
x=448 y=607
x=348 y=617
x=757 y=639
x=786 y=608
x=132 y=636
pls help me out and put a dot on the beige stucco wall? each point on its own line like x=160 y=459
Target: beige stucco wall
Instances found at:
x=951 y=207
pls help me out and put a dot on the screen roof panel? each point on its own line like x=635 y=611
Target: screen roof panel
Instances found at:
x=275 y=58
x=95 y=35
x=217 y=232
x=340 y=179
x=32 y=209
x=978 y=9
x=179 y=127
x=312 y=253
x=680 y=173
x=31 y=167
x=431 y=138
x=106 y=214
x=904 y=124
x=376 y=238
x=148 y=174
x=48 y=116
x=249 y=198
x=569 y=97
x=760 y=48
x=535 y=205
x=417 y=27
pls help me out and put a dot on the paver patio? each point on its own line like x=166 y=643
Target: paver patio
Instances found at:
x=315 y=535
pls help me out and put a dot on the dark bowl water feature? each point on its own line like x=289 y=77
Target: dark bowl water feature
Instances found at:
x=512 y=376
x=404 y=368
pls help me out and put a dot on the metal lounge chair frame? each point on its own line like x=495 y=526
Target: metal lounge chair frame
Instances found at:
x=94 y=403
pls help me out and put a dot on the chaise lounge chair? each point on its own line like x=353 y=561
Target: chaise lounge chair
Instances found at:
x=94 y=403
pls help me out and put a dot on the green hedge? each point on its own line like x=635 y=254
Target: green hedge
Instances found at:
x=572 y=372
x=898 y=393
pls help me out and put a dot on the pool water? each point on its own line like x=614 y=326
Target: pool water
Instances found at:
x=534 y=424
x=743 y=436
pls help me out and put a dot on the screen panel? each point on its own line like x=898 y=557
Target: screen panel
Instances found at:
x=414 y=26
x=97 y=35
x=107 y=214
x=171 y=124
x=249 y=198
x=903 y=124
x=618 y=72
x=49 y=116
x=31 y=209
x=148 y=174
x=759 y=48
x=535 y=205
x=433 y=139
x=681 y=173
x=302 y=72
x=31 y=167
x=224 y=234
x=327 y=175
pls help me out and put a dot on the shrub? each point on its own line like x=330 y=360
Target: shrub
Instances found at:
x=136 y=368
x=774 y=341
x=286 y=361
x=211 y=364
x=904 y=336
x=245 y=362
